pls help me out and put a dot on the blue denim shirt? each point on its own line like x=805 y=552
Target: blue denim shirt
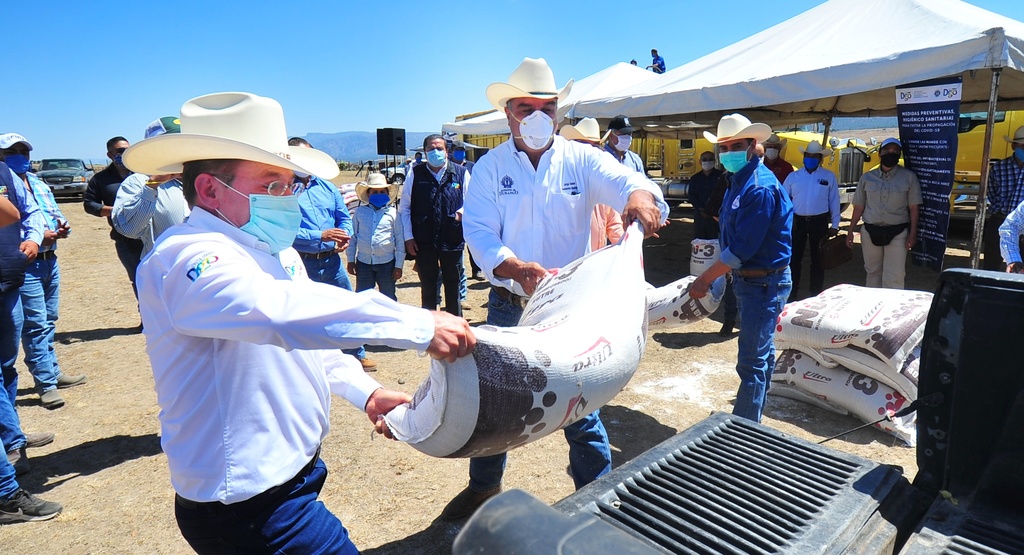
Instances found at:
x=48 y=208
x=378 y=236
x=756 y=220
x=322 y=208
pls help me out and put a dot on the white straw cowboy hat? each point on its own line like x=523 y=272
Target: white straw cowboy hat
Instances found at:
x=1018 y=136
x=736 y=126
x=375 y=181
x=587 y=129
x=231 y=126
x=775 y=140
x=814 y=147
x=532 y=79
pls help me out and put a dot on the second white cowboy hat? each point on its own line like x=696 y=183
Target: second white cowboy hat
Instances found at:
x=230 y=126
x=375 y=181
x=1018 y=136
x=776 y=140
x=587 y=129
x=814 y=147
x=533 y=78
x=737 y=126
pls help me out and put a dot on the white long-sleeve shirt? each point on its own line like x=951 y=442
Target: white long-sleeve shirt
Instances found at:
x=543 y=215
x=244 y=349
x=814 y=193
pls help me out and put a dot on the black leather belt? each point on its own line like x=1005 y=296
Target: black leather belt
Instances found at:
x=316 y=255
x=511 y=297
x=211 y=506
x=810 y=218
x=759 y=272
x=46 y=255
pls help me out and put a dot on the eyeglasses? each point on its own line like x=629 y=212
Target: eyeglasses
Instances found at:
x=274 y=188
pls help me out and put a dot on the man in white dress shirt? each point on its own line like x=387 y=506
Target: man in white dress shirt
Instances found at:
x=244 y=346
x=531 y=213
x=815 y=195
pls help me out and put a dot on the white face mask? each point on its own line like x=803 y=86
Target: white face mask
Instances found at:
x=707 y=166
x=771 y=153
x=536 y=130
x=623 y=142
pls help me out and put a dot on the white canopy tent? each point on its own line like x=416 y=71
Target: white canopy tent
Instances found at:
x=602 y=84
x=842 y=58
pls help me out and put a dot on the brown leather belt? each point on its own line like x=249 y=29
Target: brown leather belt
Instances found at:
x=316 y=255
x=759 y=272
x=511 y=297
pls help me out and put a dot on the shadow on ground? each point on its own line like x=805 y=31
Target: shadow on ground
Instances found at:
x=78 y=336
x=51 y=470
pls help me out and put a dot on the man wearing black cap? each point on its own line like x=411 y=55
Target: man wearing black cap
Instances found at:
x=619 y=137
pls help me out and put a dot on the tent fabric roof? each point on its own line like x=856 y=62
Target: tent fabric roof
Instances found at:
x=844 y=58
x=602 y=84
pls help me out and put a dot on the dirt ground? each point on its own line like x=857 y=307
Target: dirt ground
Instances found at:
x=107 y=469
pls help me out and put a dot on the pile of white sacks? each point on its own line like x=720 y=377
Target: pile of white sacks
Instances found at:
x=854 y=350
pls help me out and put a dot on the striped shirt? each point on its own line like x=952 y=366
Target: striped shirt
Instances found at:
x=142 y=212
x=1005 y=186
x=47 y=207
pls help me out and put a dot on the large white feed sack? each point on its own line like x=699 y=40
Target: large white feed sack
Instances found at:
x=577 y=345
x=888 y=323
x=864 y=362
x=703 y=253
x=863 y=397
x=670 y=306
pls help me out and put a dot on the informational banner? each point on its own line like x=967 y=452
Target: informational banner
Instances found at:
x=928 y=113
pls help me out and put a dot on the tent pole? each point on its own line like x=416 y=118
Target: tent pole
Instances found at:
x=828 y=127
x=986 y=152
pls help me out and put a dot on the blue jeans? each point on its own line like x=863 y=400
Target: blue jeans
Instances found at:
x=10 y=426
x=590 y=454
x=380 y=275
x=329 y=270
x=40 y=299
x=760 y=303
x=286 y=519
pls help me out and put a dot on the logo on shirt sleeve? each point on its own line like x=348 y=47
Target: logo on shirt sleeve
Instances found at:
x=735 y=203
x=200 y=264
x=507 y=186
x=3 y=190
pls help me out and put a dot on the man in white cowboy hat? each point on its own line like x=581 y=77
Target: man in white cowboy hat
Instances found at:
x=619 y=138
x=889 y=199
x=815 y=195
x=1005 y=193
x=773 y=146
x=244 y=346
x=146 y=206
x=529 y=210
x=378 y=251
x=605 y=222
x=756 y=220
x=324 y=233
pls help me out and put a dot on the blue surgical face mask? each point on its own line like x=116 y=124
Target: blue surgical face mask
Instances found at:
x=379 y=200
x=273 y=220
x=19 y=163
x=459 y=156
x=1018 y=152
x=733 y=160
x=117 y=160
x=811 y=163
x=436 y=158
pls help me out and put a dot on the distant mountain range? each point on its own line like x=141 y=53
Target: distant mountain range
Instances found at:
x=358 y=146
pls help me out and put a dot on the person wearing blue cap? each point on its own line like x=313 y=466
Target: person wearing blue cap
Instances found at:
x=888 y=198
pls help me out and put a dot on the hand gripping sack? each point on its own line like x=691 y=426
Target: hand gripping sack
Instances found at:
x=578 y=343
x=670 y=306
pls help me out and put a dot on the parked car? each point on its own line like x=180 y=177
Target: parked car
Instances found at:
x=67 y=177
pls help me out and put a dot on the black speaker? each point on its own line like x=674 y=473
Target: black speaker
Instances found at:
x=391 y=141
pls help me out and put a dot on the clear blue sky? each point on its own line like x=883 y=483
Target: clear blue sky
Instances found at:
x=82 y=72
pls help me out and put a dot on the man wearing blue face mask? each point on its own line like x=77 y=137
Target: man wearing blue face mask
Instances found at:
x=815 y=195
x=431 y=209
x=99 y=197
x=245 y=347
x=756 y=220
x=1005 y=193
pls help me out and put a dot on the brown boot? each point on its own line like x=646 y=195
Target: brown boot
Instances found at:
x=368 y=365
x=466 y=503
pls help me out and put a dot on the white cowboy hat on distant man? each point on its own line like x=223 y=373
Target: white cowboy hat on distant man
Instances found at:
x=1018 y=136
x=736 y=126
x=375 y=181
x=587 y=130
x=230 y=126
x=775 y=140
x=532 y=79
x=814 y=147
